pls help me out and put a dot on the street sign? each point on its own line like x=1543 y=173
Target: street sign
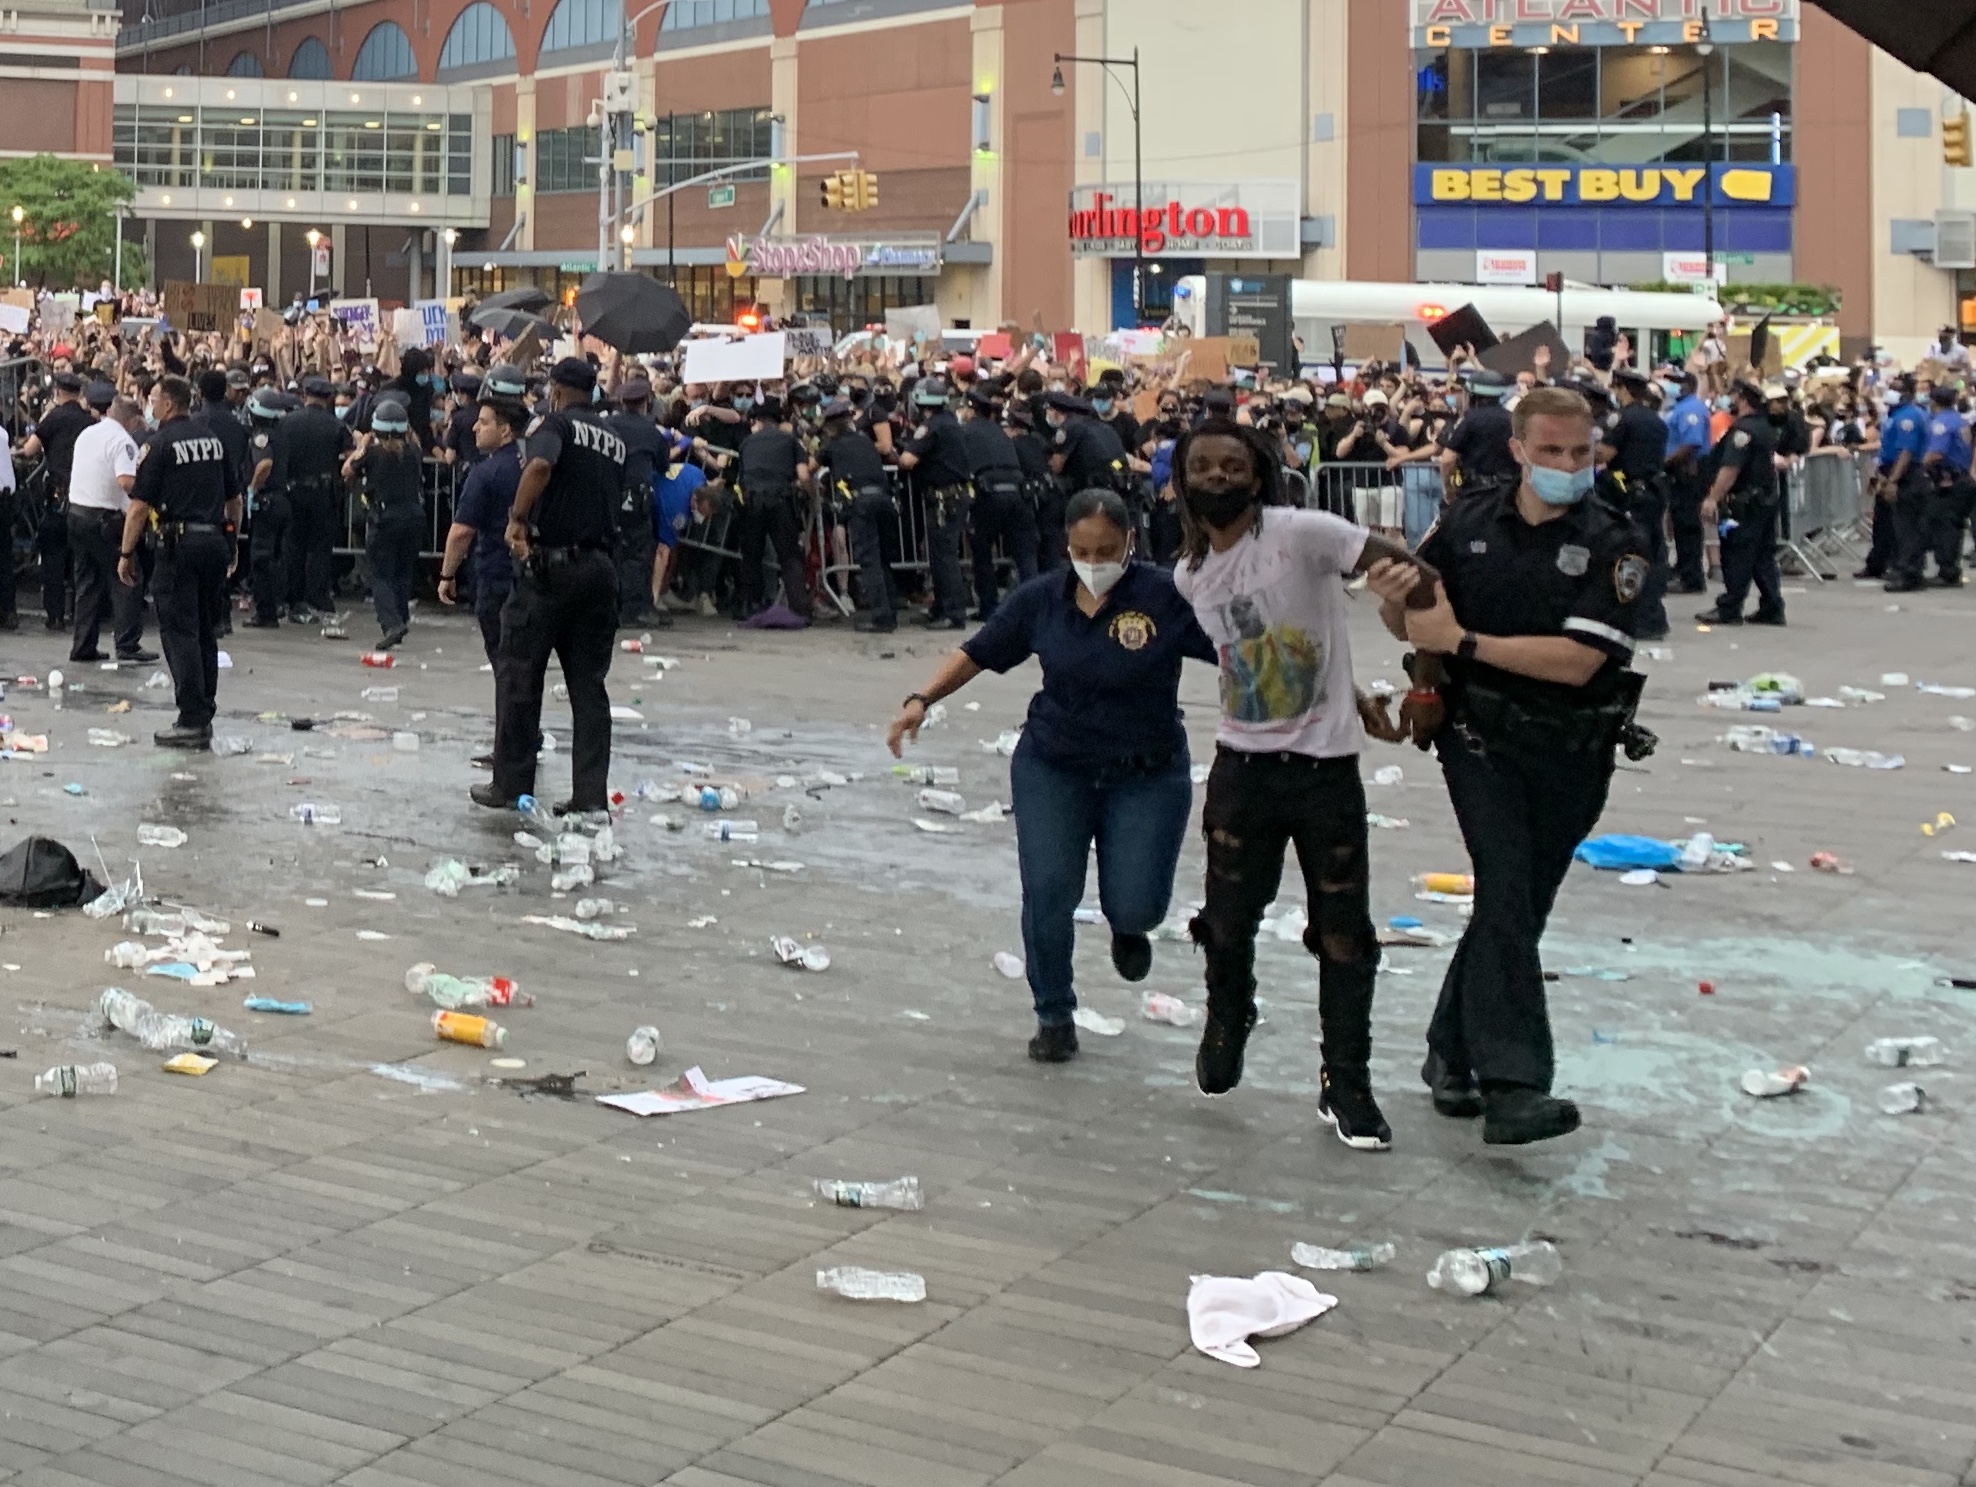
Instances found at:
x=720 y=196
x=320 y=265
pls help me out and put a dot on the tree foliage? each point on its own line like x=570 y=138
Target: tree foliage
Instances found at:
x=68 y=223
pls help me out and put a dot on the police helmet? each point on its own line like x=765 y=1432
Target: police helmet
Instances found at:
x=930 y=392
x=388 y=416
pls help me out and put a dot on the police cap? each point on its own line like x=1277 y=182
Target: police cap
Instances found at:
x=99 y=395
x=465 y=383
x=503 y=383
x=981 y=402
x=265 y=402
x=574 y=372
x=1486 y=383
x=1631 y=377
x=1063 y=402
x=317 y=387
x=237 y=377
x=68 y=381
x=838 y=408
x=635 y=390
x=930 y=392
x=1944 y=394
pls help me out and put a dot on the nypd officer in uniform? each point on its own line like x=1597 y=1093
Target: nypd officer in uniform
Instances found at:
x=937 y=458
x=1038 y=486
x=1001 y=512
x=644 y=449
x=1903 y=442
x=562 y=532
x=1476 y=450
x=1743 y=500
x=187 y=479
x=269 y=528
x=862 y=495
x=1633 y=451
x=1687 y=469
x=1946 y=464
x=1533 y=626
x=773 y=466
x=309 y=447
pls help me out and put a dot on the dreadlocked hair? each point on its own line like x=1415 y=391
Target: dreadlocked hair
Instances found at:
x=1269 y=481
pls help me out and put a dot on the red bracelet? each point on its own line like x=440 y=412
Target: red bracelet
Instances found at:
x=1419 y=696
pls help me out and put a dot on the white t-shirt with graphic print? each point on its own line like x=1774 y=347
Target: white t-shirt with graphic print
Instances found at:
x=1274 y=606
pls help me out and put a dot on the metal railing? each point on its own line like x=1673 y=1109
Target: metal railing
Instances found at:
x=1404 y=498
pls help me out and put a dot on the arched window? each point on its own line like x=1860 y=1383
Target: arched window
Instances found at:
x=479 y=36
x=245 y=64
x=311 y=60
x=690 y=15
x=578 y=23
x=385 y=54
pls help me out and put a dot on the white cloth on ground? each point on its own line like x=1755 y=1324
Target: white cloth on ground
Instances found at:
x=1224 y=1311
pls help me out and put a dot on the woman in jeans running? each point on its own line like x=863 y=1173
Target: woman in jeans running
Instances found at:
x=1103 y=756
x=1267 y=583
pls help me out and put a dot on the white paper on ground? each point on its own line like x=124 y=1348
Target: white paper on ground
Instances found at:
x=694 y=1091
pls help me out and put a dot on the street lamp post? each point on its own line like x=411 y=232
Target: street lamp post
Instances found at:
x=1705 y=49
x=313 y=236
x=198 y=246
x=20 y=215
x=1138 y=165
x=446 y=240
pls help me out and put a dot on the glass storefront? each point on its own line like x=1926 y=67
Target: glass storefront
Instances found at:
x=295 y=150
x=853 y=304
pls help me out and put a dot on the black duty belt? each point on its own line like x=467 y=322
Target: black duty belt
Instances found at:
x=991 y=480
x=180 y=528
x=556 y=557
x=1493 y=718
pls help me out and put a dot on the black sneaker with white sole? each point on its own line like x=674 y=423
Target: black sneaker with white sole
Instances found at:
x=1347 y=1104
x=1218 y=1064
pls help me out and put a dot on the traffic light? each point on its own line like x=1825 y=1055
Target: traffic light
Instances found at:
x=1955 y=139
x=865 y=190
x=836 y=191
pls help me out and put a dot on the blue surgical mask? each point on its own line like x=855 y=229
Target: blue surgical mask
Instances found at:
x=1101 y=406
x=1722 y=405
x=1670 y=392
x=150 y=419
x=743 y=404
x=1560 y=487
x=343 y=410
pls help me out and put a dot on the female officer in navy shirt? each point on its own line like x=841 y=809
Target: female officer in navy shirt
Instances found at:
x=1103 y=756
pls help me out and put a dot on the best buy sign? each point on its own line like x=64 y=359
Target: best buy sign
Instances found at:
x=1602 y=185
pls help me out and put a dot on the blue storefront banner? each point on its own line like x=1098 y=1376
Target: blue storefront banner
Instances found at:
x=1730 y=185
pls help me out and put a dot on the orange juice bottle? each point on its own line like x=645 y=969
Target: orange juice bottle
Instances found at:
x=463 y=1027
x=1444 y=882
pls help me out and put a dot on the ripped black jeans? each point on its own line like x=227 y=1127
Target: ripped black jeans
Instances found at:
x=1257 y=805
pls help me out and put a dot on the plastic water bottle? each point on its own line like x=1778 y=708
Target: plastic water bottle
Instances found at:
x=143 y=921
x=311 y=814
x=463 y=1027
x=159 y=836
x=1473 y=1272
x=70 y=1080
x=733 y=831
x=165 y=1032
x=901 y=1193
x=927 y=774
x=535 y=813
x=949 y=801
x=55 y=686
x=857 y=1284
x=595 y=908
x=1906 y=1053
x=792 y=820
x=379 y=694
x=1903 y=1099
x=709 y=798
x=1359 y=1257
x=454 y=992
x=643 y=1046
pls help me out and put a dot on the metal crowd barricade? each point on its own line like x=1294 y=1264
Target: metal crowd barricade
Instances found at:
x=1823 y=495
x=1404 y=498
x=438 y=490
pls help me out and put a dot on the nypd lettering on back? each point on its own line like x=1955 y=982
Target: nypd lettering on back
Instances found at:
x=198 y=451
x=597 y=439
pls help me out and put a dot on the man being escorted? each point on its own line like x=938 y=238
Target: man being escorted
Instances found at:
x=563 y=532
x=191 y=484
x=1534 y=624
x=100 y=480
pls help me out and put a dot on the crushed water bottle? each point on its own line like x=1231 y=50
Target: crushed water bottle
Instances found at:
x=159 y=836
x=1907 y=1053
x=901 y=1193
x=733 y=831
x=643 y=1046
x=164 y=1032
x=1903 y=1099
x=311 y=814
x=1473 y=1272
x=70 y=1080
x=230 y=745
x=535 y=813
x=453 y=992
x=143 y=921
x=857 y=1284
x=595 y=908
x=1359 y=1257
x=792 y=820
x=927 y=774
x=578 y=875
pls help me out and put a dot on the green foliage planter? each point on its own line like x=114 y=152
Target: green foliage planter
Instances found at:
x=1810 y=300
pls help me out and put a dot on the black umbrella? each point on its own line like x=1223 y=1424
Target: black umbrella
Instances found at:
x=512 y=323
x=527 y=297
x=632 y=312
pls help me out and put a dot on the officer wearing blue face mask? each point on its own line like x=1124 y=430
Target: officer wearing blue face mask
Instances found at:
x=1534 y=627
x=1743 y=501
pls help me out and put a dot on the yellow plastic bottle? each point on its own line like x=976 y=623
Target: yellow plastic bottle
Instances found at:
x=1444 y=883
x=463 y=1027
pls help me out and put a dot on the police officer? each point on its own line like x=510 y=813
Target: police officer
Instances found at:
x=772 y=466
x=938 y=459
x=1476 y=452
x=268 y=515
x=1633 y=451
x=187 y=479
x=1742 y=500
x=309 y=447
x=1002 y=512
x=645 y=448
x=1946 y=464
x=862 y=495
x=1087 y=452
x=1039 y=487
x=487 y=497
x=1687 y=456
x=561 y=532
x=54 y=436
x=1903 y=442
x=1533 y=626
x=219 y=409
x=461 y=446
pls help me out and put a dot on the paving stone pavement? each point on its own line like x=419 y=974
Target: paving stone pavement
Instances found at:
x=300 y=1270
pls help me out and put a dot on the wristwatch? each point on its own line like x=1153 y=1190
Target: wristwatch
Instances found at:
x=920 y=697
x=1469 y=640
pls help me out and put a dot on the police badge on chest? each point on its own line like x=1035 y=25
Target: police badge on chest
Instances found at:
x=1572 y=560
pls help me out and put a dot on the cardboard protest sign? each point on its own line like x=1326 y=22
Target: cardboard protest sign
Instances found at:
x=360 y=320
x=200 y=307
x=749 y=359
x=1362 y=343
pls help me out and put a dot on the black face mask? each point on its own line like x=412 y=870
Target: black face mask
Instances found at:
x=1219 y=507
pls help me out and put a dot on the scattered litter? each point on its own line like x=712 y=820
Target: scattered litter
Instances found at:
x=1959 y=856
x=1004 y=742
x=311 y=814
x=1455 y=883
x=560 y=1086
x=1198 y=774
x=643 y=1046
x=947 y=802
x=1359 y=1257
x=793 y=953
x=694 y=1091
x=989 y=814
x=1009 y=964
x=159 y=836
x=315 y=903
x=507 y=1063
x=1963 y=725
x=269 y=1004
x=1755 y=738
x=1473 y=1272
x=1902 y=1099
x=739 y=727
x=1616 y=852
x=225 y=664
x=375 y=895
x=157 y=680
x=1943 y=822
x=1160 y=1006
x=590 y=931
x=426 y=1081
x=1830 y=862
x=732 y=831
x=1386 y=823
x=1893 y=679
x=701 y=922
x=1388 y=774
x=372 y=934
x=854 y=1283
x=1961 y=694
x=1861 y=694
x=1918 y=1052
x=163 y=1031
x=1957 y=768
x=1867 y=758
x=70 y=1080
x=1640 y=877
x=447 y=878
x=1097 y=1022
x=623 y=714
x=72 y=788
x=190 y=1063
x=1781 y=866
x=901 y=1193
x=595 y=908
x=934 y=826
x=108 y=738
x=464 y=1027
x=230 y=745
x=1224 y=1311
x=454 y=992
x=403 y=743
x=935 y=715
x=379 y=694
x=1767 y=1084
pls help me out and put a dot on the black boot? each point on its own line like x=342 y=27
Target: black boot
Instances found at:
x=1218 y=1064
x=1455 y=1095
x=1345 y=1100
x=1132 y=956
x=178 y=736
x=1516 y=1115
x=1054 y=1043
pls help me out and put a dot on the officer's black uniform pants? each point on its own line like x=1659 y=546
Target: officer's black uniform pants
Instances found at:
x=1885 y=543
x=1001 y=514
x=1522 y=816
x=772 y=516
x=1052 y=546
x=635 y=550
x=10 y=515
x=1749 y=553
x=312 y=513
x=1684 y=515
x=189 y=585
x=54 y=544
x=1257 y=806
x=872 y=511
x=946 y=524
x=488 y=602
x=394 y=561
x=1948 y=523
x=264 y=555
x=1648 y=511
x=568 y=610
x=96 y=539
x=1912 y=498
